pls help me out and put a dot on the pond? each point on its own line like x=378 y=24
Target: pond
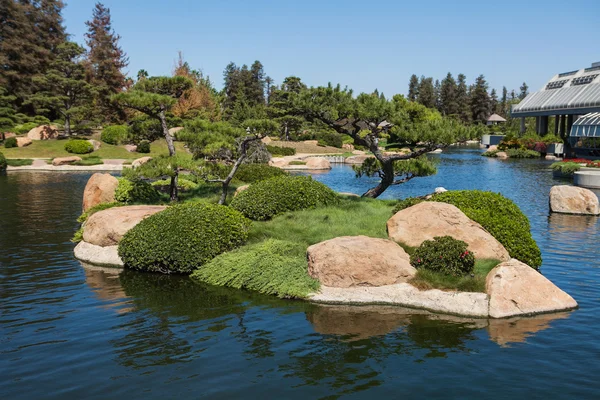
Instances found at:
x=70 y=331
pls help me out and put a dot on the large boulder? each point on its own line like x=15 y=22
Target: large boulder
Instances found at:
x=517 y=289
x=573 y=200
x=43 y=132
x=317 y=163
x=100 y=188
x=359 y=261
x=23 y=141
x=359 y=159
x=140 y=161
x=173 y=131
x=240 y=189
x=98 y=255
x=266 y=140
x=107 y=227
x=502 y=155
x=95 y=143
x=130 y=148
x=426 y=220
x=278 y=162
x=348 y=147
x=58 y=161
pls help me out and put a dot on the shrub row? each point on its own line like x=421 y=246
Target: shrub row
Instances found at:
x=522 y=153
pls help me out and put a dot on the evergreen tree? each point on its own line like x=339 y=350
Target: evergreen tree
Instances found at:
x=504 y=102
x=448 y=92
x=524 y=91
x=106 y=60
x=480 y=100
x=413 y=88
x=63 y=88
x=493 y=101
x=7 y=112
x=437 y=88
x=281 y=107
x=462 y=99
x=256 y=89
x=142 y=74
x=244 y=92
x=513 y=95
x=426 y=94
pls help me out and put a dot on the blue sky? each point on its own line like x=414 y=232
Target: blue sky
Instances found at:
x=361 y=44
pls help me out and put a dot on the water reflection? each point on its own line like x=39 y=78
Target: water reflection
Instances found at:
x=107 y=286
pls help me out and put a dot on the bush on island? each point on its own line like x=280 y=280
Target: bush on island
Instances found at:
x=143 y=147
x=268 y=267
x=251 y=173
x=444 y=254
x=522 y=153
x=77 y=146
x=10 y=142
x=135 y=191
x=281 y=151
x=2 y=163
x=183 y=238
x=114 y=134
x=566 y=168
x=498 y=215
x=265 y=199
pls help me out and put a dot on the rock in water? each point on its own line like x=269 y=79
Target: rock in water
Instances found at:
x=426 y=220
x=573 y=200
x=317 y=163
x=517 y=289
x=107 y=227
x=359 y=261
x=97 y=255
x=100 y=188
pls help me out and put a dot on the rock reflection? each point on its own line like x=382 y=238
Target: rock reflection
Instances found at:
x=567 y=223
x=107 y=287
x=517 y=330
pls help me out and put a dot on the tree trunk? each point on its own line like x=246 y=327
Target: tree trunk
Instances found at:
x=173 y=191
x=171 y=146
x=67 y=125
x=236 y=165
x=387 y=178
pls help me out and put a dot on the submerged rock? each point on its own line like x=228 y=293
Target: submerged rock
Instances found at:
x=573 y=200
x=100 y=188
x=359 y=261
x=426 y=220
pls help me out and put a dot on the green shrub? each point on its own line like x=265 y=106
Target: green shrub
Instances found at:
x=2 y=162
x=491 y=153
x=250 y=173
x=265 y=199
x=102 y=206
x=143 y=147
x=522 y=153
x=114 y=134
x=183 y=184
x=77 y=146
x=10 y=142
x=566 y=168
x=269 y=267
x=183 y=238
x=444 y=254
x=25 y=128
x=135 y=191
x=281 y=151
x=40 y=120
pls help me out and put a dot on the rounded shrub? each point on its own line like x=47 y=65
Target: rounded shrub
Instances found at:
x=135 y=191
x=183 y=238
x=77 y=146
x=114 y=134
x=265 y=199
x=10 y=142
x=143 y=147
x=2 y=163
x=444 y=254
x=250 y=173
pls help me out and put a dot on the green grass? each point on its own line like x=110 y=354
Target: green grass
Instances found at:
x=18 y=162
x=426 y=280
x=89 y=160
x=296 y=163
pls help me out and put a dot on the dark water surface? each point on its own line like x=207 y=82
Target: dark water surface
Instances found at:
x=69 y=331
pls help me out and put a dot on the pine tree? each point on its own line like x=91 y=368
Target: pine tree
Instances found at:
x=106 y=60
x=7 y=112
x=448 y=92
x=513 y=95
x=63 y=88
x=437 y=88
x=462 y=99
x=256 y=90
x=524 y=91
x=281 y=107
x=426 y=94
x=493 y=101
x=142 y=74
x=480 y=100
x=413 y=88
x=504 y=102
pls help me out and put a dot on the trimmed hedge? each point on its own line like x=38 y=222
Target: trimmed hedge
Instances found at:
x=114 y=134
x=444 y=254
x=281 y=151
x=268 y=267
x=136 y=191
x=251 y=173
x=498 y=215
x=143 y=147
x=183 y=238
x=77 y=146
x=10 y=142
x=265 y=199
x=2 y=163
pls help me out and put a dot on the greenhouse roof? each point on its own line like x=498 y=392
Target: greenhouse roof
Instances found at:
x=574 y=92
x=586 y=126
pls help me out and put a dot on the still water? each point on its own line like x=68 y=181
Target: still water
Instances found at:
x=69 y=331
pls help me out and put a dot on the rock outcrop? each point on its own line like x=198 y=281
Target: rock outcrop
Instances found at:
x=359 y=261
x=58 y=161
x=100 y=188
x=573 y=200
x=23 y=141
x=348 y=147
x=502 y=155
x=43 y=132
x=426 y=220
x=107 y=227
x=140 y=161
x=517 y=289
x=317 y=163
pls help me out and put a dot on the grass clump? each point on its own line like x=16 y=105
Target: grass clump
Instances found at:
x=263 y=200
x=522 y=153
x=491 y=153
x=426 y=279
x=19 y=162
x=270 y=267
x=182 y=238
x=281 y=151
x=296 y=163
x=89 y=160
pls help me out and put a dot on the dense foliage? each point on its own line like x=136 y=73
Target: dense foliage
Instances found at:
x=10 y=142
x=2 y=162
x=566 y=168
x=143 y=147
x=184 y=185
x=444 y=254
x=250 y=173
x=114 y=134
x=263 y=200
x=135 y=191
x=183 y=238
x=79 y=146
x=521 y=153
x=269 y=267
x=281 y=151
x=498 y=215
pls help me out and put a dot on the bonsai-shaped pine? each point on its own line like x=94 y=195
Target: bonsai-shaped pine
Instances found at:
x=154 y=97
x=371 y=117
x=219 y=141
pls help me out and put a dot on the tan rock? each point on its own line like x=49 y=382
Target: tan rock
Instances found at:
x=43 y=132
x=65 y=160
x=493 y=147
x=278 y=162
x=348 y=146
x=107 y=227
x=23 y=141
x=100 y=188
x=356 y=159
x=502 y=155
x=317 y=163
x=130 y=148
x=240 y=190
x=98 y=255
x=266 y=140
x=517 y=289
x=573 y=200
x=426 y=220
x=359 y=261
x=348 y=194
x=358 y=152
x=173 y=131
x=312 y=142
x=9 y=135
x=95 y=143
x=140 y=161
